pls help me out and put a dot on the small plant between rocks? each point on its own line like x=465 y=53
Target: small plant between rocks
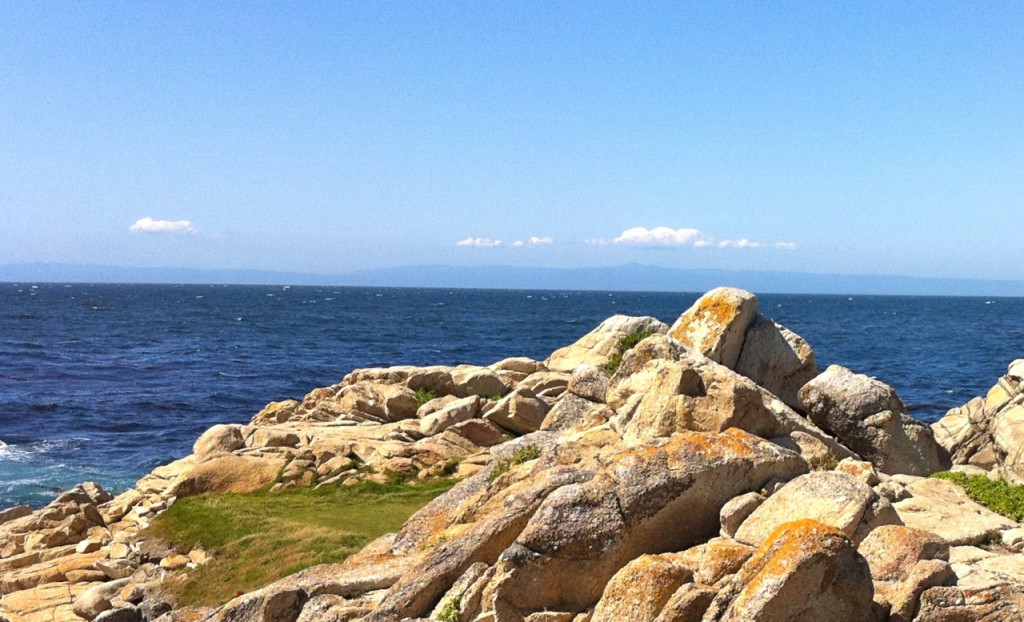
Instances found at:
x=423 y=396
x=625 y=344
x=450 y=611
x=521 y=455
x=998 y=495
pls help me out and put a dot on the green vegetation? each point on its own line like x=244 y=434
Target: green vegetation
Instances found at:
x=423 y=396
x=625 y=344
x=521 y=455
x=450 y=611
x=997 y=495
x=260 y=537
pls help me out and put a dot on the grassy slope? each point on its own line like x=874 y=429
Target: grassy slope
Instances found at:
x=260 y=537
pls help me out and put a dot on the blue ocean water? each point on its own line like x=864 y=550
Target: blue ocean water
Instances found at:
x=106 y=382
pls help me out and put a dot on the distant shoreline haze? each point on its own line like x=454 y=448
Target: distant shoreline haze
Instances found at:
x=630 y=277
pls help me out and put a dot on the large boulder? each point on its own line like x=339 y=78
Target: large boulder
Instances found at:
x=777 y=359
x=602 y=344
x=716 y=324
x=943 y=508
x=867 y=416
x=988 y=431
x=218 y=439
x=228 y=473
x=662 y=388
x=454 y=412
x=804 y=570
x=639 y=591
x=519 y=412
x=478 y=381
x=838 y=500
x=662 y=496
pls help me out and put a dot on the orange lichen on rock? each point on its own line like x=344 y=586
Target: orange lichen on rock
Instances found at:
x=716 y=324
x=804 y=571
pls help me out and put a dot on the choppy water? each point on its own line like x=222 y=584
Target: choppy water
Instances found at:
x=106 y=382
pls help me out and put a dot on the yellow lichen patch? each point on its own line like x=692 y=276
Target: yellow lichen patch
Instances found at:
x=709 y=445
x=790 y=545
x=712 y=310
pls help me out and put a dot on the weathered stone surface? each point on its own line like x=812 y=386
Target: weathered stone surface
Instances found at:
x=805 y=570
x=521 y=364
x=864 y=471
x=989 y=432
x=265 y=605
x=639 y=591
x=576 y=413
x=997 y=601
x=659 y=497
x=519 y=412
x=434 y=378
x=943 y=508
x=478 y=381
x=51 y=602
x=599 y=345
x=218 y=439
x=432 y=406
x=661 y=389
x=777 y=359
x=589 y=382
x=737 y=510
x=479 y=432
x=17 y=511
x=455 y=412
x=867 y=416
x=228 y=473
x=892 y=550
x=120 y=614
x=716 y=560
x=838 y=500
x=546 y=383
x=96 y=599
x=717 y=323
x=689 y=602
x=277 y=412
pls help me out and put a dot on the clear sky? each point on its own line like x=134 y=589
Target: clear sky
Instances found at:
x=848 y=137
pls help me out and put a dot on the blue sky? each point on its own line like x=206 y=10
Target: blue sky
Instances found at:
x=855 y=137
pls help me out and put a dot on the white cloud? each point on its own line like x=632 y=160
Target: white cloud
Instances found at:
x=658 y=236
x=744 y=243
x=537 y=241
x=479 y=242
x=518 y=243
x=785 y=246
x=148 y=225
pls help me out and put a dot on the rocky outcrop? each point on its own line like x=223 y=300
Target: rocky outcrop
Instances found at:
x=988 y=432
x=601 y=344
x=867 y=416
x=713 y=475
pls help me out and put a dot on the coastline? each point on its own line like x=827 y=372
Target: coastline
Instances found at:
x=734 y=399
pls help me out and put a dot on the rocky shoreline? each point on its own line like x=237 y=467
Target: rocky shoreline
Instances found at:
x=708 y=471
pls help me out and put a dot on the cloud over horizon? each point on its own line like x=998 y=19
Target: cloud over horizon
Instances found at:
x=667 y=237
x=149 y=225
x=479 y=242
x=533 y=240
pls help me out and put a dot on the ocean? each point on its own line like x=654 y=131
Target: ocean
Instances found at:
x=105 y=382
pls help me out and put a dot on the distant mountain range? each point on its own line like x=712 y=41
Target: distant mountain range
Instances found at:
x=631 y=277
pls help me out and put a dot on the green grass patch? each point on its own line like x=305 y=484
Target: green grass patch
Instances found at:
x=625 y=344
x=423 y=396
x=260 y=537
x=998 y=495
